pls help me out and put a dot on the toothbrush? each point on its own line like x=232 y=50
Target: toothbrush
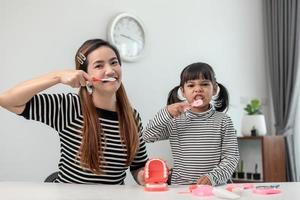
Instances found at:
x=197 y=103
x=104 y=79
x=95 y=79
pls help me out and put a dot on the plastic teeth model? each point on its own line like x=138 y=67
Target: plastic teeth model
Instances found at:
x=156 y=175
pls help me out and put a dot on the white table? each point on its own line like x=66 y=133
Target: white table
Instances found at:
x=57 y=191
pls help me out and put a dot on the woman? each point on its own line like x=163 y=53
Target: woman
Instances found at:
x=99 y=130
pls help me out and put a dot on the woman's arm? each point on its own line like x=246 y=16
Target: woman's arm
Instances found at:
x=16 y=98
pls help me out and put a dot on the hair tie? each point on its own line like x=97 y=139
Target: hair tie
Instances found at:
x=179 y=95
x=217 y=92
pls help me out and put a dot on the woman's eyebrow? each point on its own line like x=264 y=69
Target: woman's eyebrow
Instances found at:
x=102 y=61
x=98 y=62
x=113 y=58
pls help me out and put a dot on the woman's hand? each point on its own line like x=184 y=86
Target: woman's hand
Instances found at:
x=177 y=109
x=203 y=180
x=141 y=177
x=74 y=78
x=138 y=176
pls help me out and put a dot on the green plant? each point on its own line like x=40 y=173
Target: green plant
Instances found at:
x=254 y=107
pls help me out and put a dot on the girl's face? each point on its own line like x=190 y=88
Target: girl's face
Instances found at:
x=103 y=63
x=199 y=89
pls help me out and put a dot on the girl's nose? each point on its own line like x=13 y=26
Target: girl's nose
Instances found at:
x=198 y=88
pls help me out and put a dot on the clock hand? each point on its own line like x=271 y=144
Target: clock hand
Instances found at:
x=130 y=38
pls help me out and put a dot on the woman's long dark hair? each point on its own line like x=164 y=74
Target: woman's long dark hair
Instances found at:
x=201 y=70
x=90 y=152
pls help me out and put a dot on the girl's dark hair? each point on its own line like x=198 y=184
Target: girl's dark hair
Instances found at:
x=173 y=96
x=201 y=70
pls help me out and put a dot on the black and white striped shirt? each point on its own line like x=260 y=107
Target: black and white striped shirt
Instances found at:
x=201 y=143
x=63 y=113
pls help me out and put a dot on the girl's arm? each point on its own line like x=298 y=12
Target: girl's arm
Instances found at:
x=230 y=155
x=16 y=98
x=162 y=125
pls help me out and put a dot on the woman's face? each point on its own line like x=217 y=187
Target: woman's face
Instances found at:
x=103 y=63
x=199 y=89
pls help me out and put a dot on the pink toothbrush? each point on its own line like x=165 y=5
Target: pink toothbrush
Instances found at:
x=197 y=103
x=95 y=79
x=104 y=79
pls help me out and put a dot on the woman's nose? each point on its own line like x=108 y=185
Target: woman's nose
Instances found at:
x=109 y=71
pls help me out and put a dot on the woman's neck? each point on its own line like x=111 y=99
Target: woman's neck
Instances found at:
x=105 y=101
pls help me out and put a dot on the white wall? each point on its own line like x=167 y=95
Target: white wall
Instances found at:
x=38 y=36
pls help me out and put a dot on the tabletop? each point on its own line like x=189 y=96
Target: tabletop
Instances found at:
x=59 y=191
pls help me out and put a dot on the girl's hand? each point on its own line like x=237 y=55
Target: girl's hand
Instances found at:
x=177 y=109
x=74 y=78
x=203 y=180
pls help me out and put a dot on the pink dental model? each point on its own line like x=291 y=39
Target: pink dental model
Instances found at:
x=156 y=175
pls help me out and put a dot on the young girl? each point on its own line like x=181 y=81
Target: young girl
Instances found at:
x=202 y=137
x=99 y=131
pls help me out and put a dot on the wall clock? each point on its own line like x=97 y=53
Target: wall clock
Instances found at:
x=127 y=33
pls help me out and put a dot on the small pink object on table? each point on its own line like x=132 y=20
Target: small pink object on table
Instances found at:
x=235 y=186
x=266 y=191
x=201 y=190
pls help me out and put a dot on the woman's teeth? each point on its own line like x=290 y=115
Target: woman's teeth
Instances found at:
x=109 y=79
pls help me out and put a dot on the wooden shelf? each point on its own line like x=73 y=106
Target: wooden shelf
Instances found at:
x=271 y=158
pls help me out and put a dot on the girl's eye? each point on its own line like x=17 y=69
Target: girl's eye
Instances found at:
x=190 y=85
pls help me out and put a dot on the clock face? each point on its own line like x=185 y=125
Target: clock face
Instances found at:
x=127 y=34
